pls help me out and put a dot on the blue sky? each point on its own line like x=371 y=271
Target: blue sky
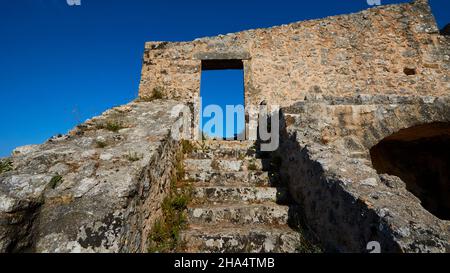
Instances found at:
x=60 y=65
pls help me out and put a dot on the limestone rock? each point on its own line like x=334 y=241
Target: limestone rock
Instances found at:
x=79 y=195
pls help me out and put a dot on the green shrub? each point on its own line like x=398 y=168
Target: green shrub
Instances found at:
x=179 y=169
x=187 y=147
x=252 y=166
x=180 y=202
x=56 y=181
x=133 y=157
x=158 y=93
x=111 y=125
x=159 y=242
x=101 y=144
x=6 y=165
x=114 y=126
x=165 y=234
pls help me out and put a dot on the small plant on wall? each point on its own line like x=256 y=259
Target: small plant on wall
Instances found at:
x=158 y=93
x=165 y=236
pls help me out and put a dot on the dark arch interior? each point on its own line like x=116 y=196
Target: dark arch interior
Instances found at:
x=446 y=30
x=420 y=156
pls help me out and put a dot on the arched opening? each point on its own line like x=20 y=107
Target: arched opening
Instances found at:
x=420 y=156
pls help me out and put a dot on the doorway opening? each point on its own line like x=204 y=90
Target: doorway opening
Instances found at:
x=222 y=94
x=420 y=157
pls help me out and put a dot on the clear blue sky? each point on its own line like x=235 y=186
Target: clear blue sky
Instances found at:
x=60 y=65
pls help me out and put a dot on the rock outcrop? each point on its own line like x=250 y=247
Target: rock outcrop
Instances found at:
x=97 y=189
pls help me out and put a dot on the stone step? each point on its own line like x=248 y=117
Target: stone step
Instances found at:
x=222 y=165
x=203 y=195
x=223 y=153
x=239 y=213
x=242 y=239
x=224 y=144
x=244 y=178
x=200 y=149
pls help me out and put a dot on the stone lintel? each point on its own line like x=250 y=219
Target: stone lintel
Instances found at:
x=235 y=55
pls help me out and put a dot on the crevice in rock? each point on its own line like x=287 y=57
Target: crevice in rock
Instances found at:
x=21 y=229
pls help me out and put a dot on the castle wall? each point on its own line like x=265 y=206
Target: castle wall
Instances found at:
x=394 y=49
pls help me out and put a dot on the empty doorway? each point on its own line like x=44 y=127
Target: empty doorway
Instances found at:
x=222 y=94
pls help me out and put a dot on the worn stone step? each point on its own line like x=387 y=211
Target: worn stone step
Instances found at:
x=223 y=165
x=239 y=213
x=241 y=239
x=221 y=149
x=223 y=153
x=244 y=178
x=225 y=144
x=244 y=194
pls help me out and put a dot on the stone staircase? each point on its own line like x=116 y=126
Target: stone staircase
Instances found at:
x=236 y=205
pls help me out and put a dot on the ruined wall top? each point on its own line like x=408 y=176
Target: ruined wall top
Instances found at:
x=393 y=49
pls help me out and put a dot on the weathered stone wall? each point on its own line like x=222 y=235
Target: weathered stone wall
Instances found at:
x=326 y=162
x=393 y=49
x=97 y=189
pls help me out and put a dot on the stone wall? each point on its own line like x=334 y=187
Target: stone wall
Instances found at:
x=97 y=189
x=326 y=159
x=394 y=49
